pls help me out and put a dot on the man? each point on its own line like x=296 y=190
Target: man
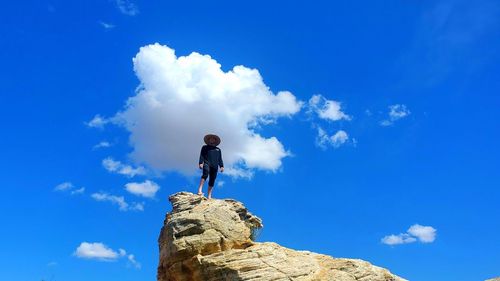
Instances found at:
x=210 y=161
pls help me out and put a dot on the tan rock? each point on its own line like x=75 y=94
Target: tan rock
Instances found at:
x=211 y=240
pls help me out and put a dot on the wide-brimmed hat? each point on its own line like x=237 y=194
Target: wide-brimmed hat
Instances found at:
x=212 y=139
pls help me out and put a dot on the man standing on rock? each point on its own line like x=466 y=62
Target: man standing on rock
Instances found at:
x=210 y=161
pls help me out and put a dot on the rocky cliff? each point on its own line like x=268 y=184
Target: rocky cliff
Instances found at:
x=210 y=240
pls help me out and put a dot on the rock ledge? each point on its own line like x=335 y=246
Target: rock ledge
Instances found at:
x=210 y=240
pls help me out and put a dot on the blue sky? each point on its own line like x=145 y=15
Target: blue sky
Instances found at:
x=391 y=121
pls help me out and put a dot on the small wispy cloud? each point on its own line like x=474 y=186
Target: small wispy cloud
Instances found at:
x=396 y=112
x=146 y=189
x=63 y=186
x=133 y=262
x=80 y=190
x=402 y=238
x=417 y=232
x=99 y=251
x=220 y=183
x=107 y=26
x=323 y=140
x=327 y=109
x=69 y=187
x=118 y=167
x=102 y=144
x=97 y=122
x=127 y=7
x=119 y=201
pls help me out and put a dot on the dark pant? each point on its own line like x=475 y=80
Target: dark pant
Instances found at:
x=208 y=170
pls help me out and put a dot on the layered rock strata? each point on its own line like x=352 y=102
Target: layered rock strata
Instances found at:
x=211 y=240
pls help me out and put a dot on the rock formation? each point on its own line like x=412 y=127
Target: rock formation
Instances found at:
x=210 y=240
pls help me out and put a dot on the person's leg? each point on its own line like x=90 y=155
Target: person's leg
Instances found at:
x=202 y=181
x=211 y=181
x=203 y=178
x=210 y=187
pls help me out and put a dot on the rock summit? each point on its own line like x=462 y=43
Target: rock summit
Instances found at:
x=209 y=240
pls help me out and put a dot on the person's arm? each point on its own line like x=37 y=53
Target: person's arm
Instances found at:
x=221 y=164
x=202 y=157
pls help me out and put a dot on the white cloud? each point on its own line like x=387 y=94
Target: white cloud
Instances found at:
x=118 y=200
x=220 y=183
x=123 y=169
x=396 y=112
x=122 y=252
x=97 y=122
x=102 y=144
x=425 y=234
x=69 y=187
x=97 y=251
x=402 y=238
x=339 y=138
x=237 y=172
x=78 y=191
x=180 y=99
x=101 y=252
x=335 y=140
x=146 y=189
x=327 y=109
x=416 y=232
x=64 y=186
x=133 y=262
x=386 y=123
x=127 y=7
x=107 y=26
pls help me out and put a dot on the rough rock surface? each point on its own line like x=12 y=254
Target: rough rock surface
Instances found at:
x=210 y=240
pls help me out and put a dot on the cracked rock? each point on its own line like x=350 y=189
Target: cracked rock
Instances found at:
x=209 y=240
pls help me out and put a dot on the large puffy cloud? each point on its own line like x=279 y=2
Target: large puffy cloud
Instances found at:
x=180 y=99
